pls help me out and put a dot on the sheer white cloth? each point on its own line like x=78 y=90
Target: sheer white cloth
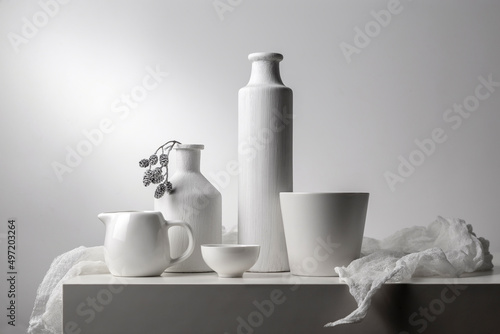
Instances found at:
x=447 y=247
x=46 y=317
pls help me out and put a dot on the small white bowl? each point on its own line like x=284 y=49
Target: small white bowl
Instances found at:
x=230 y=260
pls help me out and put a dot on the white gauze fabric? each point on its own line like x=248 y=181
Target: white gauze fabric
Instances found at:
x=46 y=317
x=447 y=248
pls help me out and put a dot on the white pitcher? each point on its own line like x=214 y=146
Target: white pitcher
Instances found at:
x=137 y=243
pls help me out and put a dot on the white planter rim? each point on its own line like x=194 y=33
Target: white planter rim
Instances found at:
x=292 y=193
x=189 y=147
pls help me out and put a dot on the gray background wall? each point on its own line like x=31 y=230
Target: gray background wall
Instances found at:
x=365 y=91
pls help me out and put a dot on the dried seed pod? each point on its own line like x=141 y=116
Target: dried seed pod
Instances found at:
x=153 y=159
x=169 y=187
x=144 y=163
x=160 y=190
x=147 y=178
x=164 y=160
x=157 y=178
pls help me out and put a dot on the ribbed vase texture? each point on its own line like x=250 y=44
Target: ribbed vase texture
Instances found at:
x=195 y=201
x=265 y=109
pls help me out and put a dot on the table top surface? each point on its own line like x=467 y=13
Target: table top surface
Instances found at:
x=284 y=278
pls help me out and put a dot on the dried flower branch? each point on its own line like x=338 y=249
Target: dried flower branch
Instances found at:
x=159 y=174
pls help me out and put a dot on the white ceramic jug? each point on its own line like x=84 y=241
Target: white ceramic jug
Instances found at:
x=197 y=202
x=137 y=243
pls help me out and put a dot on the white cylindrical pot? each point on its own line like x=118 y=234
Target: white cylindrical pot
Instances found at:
x=265 y=114
x=323 y=230
x=195 y=201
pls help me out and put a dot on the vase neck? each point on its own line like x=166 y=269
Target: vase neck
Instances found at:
x=188 y=159
x=265 y=68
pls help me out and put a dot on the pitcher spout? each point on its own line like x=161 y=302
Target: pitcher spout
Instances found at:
x=104 y=217
x=162 y=219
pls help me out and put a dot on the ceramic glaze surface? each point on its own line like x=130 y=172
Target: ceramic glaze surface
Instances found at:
x=136 y=243
x=265 y=109
x=197 y=202
x=323 y=230
x=230 y=260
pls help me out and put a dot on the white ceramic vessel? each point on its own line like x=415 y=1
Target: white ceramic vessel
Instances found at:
x=136 y=243
x=323 y=230
x=197 y=202
x=265 y=108
x=230 y=260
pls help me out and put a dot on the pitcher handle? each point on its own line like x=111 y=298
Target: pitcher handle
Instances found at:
x=190 y=247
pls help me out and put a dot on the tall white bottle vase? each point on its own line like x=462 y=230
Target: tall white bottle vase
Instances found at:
x=197 y=202
x=265 y=108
